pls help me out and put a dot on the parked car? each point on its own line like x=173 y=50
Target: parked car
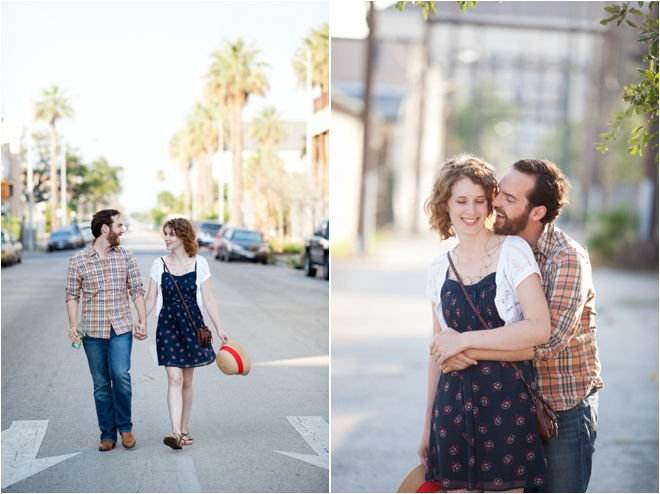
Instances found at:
x=9 y=256
x=62 y=239
x=18 y=247
x=87 y=233
x=206 y=231
x=76 y=231
x=240 y=243
x=316 y=250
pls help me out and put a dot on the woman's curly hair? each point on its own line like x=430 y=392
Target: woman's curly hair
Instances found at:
x=463 y=165
x=183 y=229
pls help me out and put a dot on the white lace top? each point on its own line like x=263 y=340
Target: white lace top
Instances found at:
x=516 y=264
x=203 y=274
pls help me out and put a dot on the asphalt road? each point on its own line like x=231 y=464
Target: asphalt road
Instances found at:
x=381 y=328
x=239 y=423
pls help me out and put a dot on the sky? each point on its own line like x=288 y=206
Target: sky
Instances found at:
x=135 y=69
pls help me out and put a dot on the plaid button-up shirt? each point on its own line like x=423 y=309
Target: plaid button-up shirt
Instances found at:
x=567 y=366
x=104 y=286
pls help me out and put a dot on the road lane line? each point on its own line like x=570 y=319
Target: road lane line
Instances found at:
x=320 y=361
x=187 y=474
x=154 y=355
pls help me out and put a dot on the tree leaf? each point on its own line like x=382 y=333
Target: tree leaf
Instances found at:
x=631 y=23
x=612 y=10
x=634 y=11
x=425 y=13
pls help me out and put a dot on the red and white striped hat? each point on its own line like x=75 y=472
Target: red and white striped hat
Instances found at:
x=232 y=359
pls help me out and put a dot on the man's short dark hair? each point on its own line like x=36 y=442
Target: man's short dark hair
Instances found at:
x=550 y=190
x=103 y=217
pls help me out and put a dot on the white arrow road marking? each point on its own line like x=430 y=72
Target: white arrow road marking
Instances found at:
x=20 y=445
x=187 y=474
x=316 y=432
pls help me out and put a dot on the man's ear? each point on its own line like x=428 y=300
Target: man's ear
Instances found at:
x=538 y=213
x=105 y=228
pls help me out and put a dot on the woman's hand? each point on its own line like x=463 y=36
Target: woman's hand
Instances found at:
x=423 y=449
x=222 y=335
x=446 y=344
x=459 y=362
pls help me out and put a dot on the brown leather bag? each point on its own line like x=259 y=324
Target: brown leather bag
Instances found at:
x=546 y=417
x=204 y=335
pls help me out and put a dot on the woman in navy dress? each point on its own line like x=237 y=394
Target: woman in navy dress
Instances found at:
x=480 y=429
x=177 y=346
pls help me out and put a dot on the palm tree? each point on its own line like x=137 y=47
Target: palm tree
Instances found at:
x=267 y=127
x=180 y=151
x=318 y=43
x=270 y=176
x=202 y=123
x=53 y=106
x=234 y=75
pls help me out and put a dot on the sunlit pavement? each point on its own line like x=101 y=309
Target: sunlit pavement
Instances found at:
x=248 y=430
x=381 y=327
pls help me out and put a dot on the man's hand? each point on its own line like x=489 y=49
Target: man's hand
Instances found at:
x=446 y=344
x=459 y=361
x=73 y=334
x=140 y=330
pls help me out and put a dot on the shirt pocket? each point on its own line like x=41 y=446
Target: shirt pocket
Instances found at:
x=92 y=282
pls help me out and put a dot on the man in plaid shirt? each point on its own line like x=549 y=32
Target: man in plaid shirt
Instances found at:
x=104 y=275
x=531 y=196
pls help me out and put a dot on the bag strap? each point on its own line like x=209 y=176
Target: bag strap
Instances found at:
x=180 y=294
x=460 y=282
x=469 y=299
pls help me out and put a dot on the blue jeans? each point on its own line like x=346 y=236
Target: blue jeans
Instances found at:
x=110 y=362
x=569 y=454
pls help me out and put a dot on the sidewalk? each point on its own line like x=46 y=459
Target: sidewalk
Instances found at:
x=381 y=326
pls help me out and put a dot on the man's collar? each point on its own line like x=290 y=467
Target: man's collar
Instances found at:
x=95 y=253
x=545 y=241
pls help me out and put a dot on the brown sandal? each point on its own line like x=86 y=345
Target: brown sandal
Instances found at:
x=173 y=440
x=186 y=440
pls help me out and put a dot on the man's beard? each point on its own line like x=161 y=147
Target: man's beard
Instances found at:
x=113 y=239
x=512 y=226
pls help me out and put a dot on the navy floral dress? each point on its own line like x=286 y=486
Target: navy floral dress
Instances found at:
x=176 y=342
x=483 y=426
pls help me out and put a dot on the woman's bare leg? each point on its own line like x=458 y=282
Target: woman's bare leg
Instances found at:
x=187 y=398
x=175 y=396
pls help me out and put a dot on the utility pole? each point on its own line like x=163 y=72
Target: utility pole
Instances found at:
x=366 y=120
x=30 y=177
x=63 y=184
x=308 y=140
x=221 y=184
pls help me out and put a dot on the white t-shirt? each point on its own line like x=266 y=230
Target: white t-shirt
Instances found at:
x=203 y=274
x=516 y=264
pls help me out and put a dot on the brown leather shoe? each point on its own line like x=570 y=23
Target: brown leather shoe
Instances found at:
x=127 y=440
x=106 y=445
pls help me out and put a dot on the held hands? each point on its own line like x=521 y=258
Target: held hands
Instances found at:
x=459 y=362
x=445 y=345
x=140 y=330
